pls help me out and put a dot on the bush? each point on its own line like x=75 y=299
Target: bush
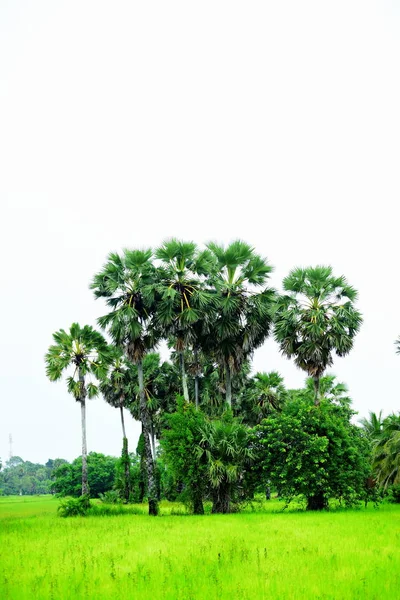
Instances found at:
x=74 y=507
x=111 y=497
x=394 y=494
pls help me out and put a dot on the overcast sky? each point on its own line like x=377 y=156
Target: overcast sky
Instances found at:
x=124 y=123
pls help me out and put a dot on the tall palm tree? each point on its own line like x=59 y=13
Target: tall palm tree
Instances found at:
x=183 y=299
x=243 y=314
x=126 y=282
x=84 y=351
x=315 y=319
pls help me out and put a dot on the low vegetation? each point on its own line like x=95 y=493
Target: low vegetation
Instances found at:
x=259 y=553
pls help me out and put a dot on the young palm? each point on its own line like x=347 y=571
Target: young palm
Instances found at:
x=315 y=319
x=224 y=446
x=386 y=453
x=114 y=388
x=268 y=394
x=127 y=284
x=84 y=351
x=183 y=300
x=243 y=314
x=373 y=426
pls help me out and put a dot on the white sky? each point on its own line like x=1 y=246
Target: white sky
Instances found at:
x=124 y=123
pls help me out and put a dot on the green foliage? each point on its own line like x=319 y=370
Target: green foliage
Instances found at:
x=224 y=447
x=386 y=453
x=74 y=507
x=394 y=494
x=179 y=441
x=101 y=475
x=262 y=395
x=313 y=452
x=110 y=497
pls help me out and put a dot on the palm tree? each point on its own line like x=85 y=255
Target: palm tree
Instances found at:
x=114 y=388
x=386 y=453
x=316 y=318
x=85 y=351
x=183 y=300
x=264 y=395
x=127 y=284
x=243 y=314
x=373 y=426
x=224 y=446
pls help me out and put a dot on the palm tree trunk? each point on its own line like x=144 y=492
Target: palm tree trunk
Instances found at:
x=196 y=390
x=85 y=485
x=122 y=421
x=317 y=502
x=127 y=470
x=125 y=459
x=316 y=390
x=183 y=375
x=153 y=443
x=228 y=385
x=144 y=417
x=221 y=499
x=196 y=379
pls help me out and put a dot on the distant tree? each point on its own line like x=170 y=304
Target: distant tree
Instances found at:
x=83 y=351
x=316 y=318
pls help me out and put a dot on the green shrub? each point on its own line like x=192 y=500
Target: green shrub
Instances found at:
x=394 y=494
x=111 y=497
x=74 y=507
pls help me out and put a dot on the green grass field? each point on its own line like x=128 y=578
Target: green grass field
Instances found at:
x=263 y=554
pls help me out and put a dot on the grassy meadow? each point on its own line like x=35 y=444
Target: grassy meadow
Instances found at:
x=257 y=554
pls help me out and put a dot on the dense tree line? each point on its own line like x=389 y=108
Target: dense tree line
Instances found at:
x=19 y=477
x=221 y=432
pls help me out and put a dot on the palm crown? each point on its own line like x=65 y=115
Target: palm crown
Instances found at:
x=82 y=348
x=127 y=284
x=316 y=318
x=243 y=314
x=183 y=307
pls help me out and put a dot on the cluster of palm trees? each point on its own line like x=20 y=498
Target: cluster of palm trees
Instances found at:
x=214 y=307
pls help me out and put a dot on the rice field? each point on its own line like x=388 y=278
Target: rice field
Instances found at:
x=257 y=554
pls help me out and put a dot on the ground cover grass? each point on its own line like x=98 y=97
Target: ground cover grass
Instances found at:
x=252 y=555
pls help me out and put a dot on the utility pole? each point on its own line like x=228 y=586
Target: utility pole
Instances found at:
x=10 y=440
